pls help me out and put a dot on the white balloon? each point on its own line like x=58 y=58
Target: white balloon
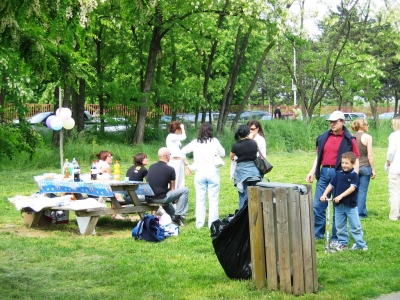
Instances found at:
x=65 y=113
x=58 y=112
x=56 y=123
x=69 y=123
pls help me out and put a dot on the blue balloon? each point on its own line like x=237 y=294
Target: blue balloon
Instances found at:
x=56 y=123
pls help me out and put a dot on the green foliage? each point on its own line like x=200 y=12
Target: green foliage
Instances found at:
x=288 y=136
x=14 y=140
x=153 y=135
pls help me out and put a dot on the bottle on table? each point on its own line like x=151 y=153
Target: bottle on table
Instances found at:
x=77 y=172
x=72 y=167
x=117 y=171
x=93 y=170
x=66 y=168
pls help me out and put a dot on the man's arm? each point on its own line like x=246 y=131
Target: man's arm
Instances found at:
x=310 y=176
x=370 y=156
x=172 y=185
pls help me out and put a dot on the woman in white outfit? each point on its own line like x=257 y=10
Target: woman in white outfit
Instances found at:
x=207 y=177
x=258 y=135
x=104 y=168
x=176 y=135
x=393 y=169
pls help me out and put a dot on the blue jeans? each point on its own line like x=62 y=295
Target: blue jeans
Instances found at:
x=206 y=181
x=243 y=196
x=320 y=207
x=342 y=214
x=365 y=177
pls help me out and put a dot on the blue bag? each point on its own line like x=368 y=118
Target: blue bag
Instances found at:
x=148 y=229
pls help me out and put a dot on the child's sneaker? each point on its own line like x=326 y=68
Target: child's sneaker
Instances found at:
x=355 y=247
x=341 y=247
x=334 y=244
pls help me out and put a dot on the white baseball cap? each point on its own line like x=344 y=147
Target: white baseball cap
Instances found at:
x=336 y=115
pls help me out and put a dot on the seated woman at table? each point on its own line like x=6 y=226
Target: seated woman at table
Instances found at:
x=138 y=171
x=104 y=168
x=103 y=165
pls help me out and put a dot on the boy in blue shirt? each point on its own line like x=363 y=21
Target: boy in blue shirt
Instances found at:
x=345 y=183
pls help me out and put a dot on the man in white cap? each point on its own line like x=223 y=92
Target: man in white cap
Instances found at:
x=330 y=147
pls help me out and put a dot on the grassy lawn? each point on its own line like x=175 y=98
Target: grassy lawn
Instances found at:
x=58 y=263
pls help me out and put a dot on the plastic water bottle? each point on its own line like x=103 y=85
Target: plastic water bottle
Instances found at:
x=93 y=170
x=72 y=167
x=117 y=171
x=66 y=168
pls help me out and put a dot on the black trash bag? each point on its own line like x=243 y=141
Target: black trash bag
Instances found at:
x=231 y=241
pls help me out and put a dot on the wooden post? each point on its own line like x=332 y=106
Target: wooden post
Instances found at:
x=256 y=237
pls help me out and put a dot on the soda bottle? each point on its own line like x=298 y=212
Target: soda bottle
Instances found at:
x=66 y=168
x=77 y=171
x=93 y=170
x=117 y=171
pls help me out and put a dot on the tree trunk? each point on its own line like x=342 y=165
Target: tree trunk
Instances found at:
x=210 y=62
x=240 y=49
x=155 y=47
x=254 y=81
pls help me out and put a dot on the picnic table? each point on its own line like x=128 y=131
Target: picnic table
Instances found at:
x=87 y=209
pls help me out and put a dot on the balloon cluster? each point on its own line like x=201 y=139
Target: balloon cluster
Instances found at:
x=62 y=118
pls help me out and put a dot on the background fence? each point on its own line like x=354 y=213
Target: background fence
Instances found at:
x=120 y=110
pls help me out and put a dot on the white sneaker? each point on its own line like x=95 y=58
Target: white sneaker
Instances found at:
x=355 y=247
x=334 y=244
x=160 y=211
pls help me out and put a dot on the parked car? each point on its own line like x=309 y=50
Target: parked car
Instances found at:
x=230 y=117
x=38 y=121
x=190 y=118
x=111 y=124
x=387 y=115
x=166 y=119
x=350 y=117
x=254 y=114
x=40 y=118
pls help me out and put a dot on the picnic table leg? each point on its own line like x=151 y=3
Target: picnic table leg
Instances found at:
x=91 y=226
x=136 y=200
x=87 y=224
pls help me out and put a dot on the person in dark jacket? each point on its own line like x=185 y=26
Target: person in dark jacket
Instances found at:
x=330 y=147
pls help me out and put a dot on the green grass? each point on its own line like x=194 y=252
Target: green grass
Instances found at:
x=59 y=263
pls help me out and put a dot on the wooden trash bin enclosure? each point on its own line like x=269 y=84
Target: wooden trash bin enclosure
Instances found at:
x=282 y=240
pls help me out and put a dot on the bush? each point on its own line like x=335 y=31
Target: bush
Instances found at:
x=16 y=139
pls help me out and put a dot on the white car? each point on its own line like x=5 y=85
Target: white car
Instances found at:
x=350 y=117
x=387 y=115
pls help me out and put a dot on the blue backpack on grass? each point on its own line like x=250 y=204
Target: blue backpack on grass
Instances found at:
x=148 y=229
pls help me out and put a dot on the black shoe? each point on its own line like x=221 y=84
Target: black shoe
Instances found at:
x=178 y=220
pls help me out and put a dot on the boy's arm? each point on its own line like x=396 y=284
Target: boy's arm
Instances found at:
x=347 y=192
x=324 y=196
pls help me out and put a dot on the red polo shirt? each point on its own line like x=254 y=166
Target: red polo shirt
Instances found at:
x=331 y=148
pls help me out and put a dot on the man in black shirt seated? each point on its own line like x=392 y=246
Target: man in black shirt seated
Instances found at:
x=161 y=178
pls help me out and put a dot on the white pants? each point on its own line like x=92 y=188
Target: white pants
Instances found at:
x=207 y=181
x=179 y=168
x=394 y=196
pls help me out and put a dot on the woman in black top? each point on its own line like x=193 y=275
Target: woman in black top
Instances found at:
x=138 y=171
x=246 y=173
